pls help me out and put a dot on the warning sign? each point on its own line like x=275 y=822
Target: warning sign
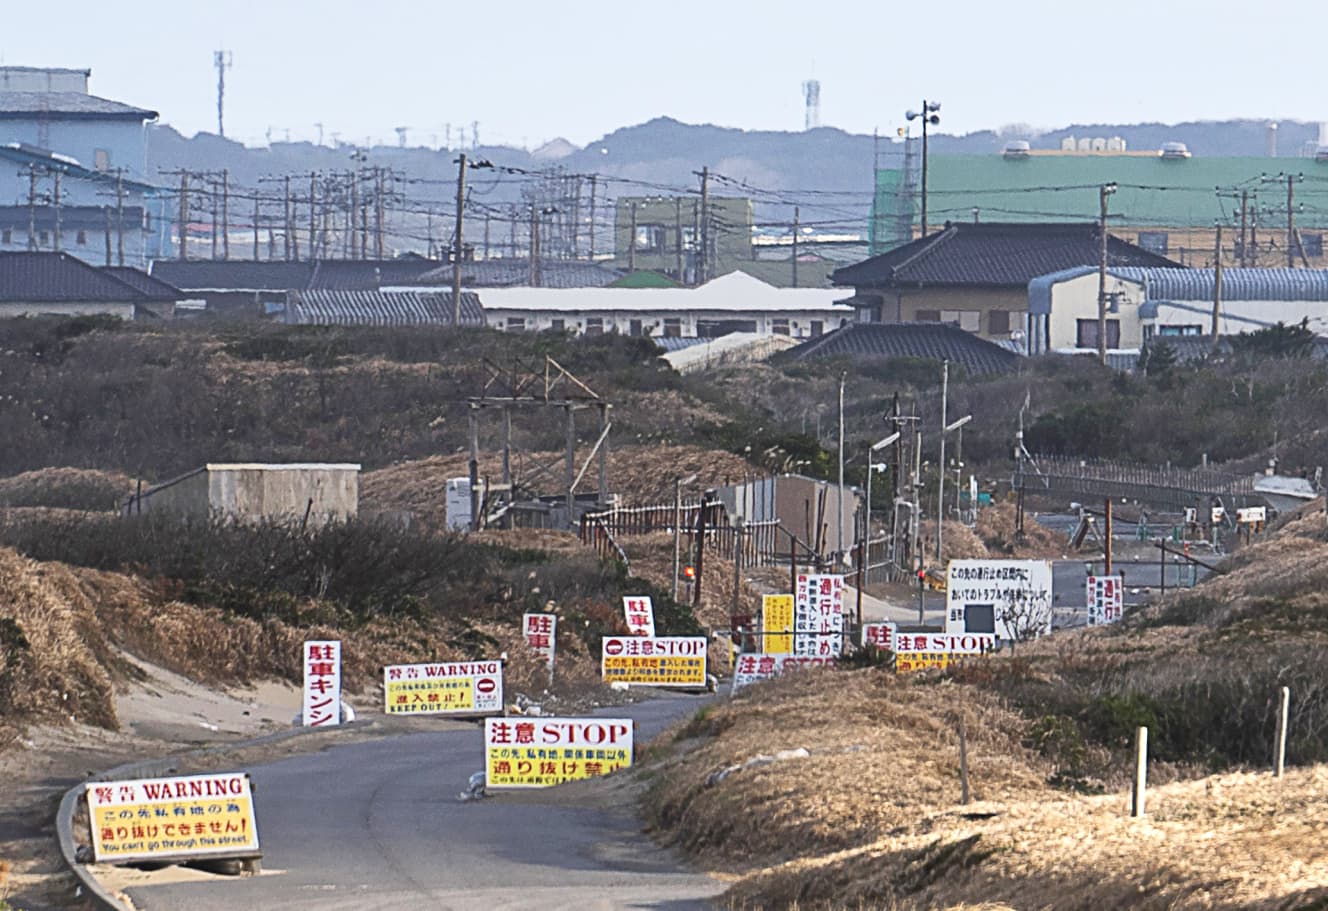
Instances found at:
x=191 y=816
x=458 y=687
x=1106 y=599
x=543 y=752
x=920 y=651
x=656 y=661
x=777 y=624
x=818 y=616
x=751 y=668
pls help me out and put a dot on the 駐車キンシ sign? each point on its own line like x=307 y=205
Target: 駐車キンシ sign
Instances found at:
x=541 y=633
x=190 y=816
x=322 y=684
x=655 y=661
x=458 y=687
x=541 y=752
x=639 y=611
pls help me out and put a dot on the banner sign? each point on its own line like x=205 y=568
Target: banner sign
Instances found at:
x=1105 y=599
x=458 y=687
x=818 y=616
x=751 y=668
x=921 y=651
x=922 y=661
x=1010 y=598
x=195 y=815
x=1252 y=515
x=879 y=634
x=548 y=751
x=640 y=611
x=322 y=684
x=541 y=632
x=654 y=661
x=777 y=624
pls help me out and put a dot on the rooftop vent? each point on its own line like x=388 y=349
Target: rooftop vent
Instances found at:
x=1016 y=148
x=1173 y=151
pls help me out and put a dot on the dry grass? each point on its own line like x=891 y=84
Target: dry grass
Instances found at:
x=66 y=488
x=640 y=475
x=996 y=528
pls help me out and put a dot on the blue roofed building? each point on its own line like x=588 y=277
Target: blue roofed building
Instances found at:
x=75 y=171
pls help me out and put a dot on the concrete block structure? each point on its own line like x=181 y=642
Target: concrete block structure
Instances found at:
x=312 y=493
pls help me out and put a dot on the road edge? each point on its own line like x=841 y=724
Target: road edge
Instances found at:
x=98 y=894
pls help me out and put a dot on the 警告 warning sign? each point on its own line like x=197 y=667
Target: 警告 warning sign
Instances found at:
x=541 y=752
x=654 y=661
x=195 y=815
x=457 y=687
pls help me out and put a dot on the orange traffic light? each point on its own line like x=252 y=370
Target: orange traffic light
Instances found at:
x=689 y=573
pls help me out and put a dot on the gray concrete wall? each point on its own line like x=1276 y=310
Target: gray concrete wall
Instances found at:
x=328 y=492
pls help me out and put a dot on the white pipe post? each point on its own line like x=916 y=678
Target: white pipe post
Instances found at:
x=1140 y=774
x=1282 y=731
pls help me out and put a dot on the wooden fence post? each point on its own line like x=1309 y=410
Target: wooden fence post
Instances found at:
x=963 y=761
x=1140 y=773
x=1282 y=732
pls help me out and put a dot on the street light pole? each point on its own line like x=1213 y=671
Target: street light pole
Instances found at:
x=940 y=484
x=930 y=116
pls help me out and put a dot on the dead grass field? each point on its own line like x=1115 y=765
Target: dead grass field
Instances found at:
x=66 y=488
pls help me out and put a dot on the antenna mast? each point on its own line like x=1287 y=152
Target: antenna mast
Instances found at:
x=222 y=61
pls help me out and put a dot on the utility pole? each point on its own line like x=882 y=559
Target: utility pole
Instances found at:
x=1217 y=290
x=940 y=484
x=1103 y=192
x=840 y=517
x=222 y=61
x=457 y=243
x=107 y=212
x=255 y=226
x=1244 y=249
x=212 y=213
x=677 y=235
x=631 y=241
x=286 y=234
x=486 y=235
x=119 y=215
x=796 y=215
x=534 y=247
x=703 y=263
x=354 y=209
x=226 y=213
x=56 y=200
x=592 y=237
x=32 y=207
x=184 y=215
x=1292 y=240
x=380 y=201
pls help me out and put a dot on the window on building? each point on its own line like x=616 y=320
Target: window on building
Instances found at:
x=650 y=238
x=998 y=322
x=558 y=325
x=817 y=328
x=1180 y=331
x=634 y=327
x=101 y=159
x=1154 y=241
x=594 y=325
x=928 y=316
x=43 y=238
x=7 y=236
x=1087 y=334
x=82 y=238
x=1312 y=244
x=516 y=324
x=673 y=328
x=968 y=320
x=779 y=326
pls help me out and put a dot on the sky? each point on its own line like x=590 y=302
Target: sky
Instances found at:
x=531 y=71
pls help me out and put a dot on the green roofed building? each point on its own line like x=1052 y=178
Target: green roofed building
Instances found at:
x=1167 y=203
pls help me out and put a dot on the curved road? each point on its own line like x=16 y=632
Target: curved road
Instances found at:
x=378 y=825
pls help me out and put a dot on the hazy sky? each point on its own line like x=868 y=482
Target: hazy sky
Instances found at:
x=529 y=71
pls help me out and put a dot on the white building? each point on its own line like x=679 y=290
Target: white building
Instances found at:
x=735 y=302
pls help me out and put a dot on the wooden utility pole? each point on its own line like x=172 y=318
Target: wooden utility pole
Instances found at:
x=796 y=217
x=119 y=216
x=184 y=215
x=286 y=245
x=457 y=243
x=1244 y=248
x=1103 y=192
x=677 y=236
x=534 y=247
x=703 y=262
x=32 y=207
x=354 y=210
x=1291 y=222
x=1217 y=284
x=313 y=216
x=55 y=198
x=380 y=211
x=486 y=235
x=631 y=240
x=213 y=213
x=592 y=223
x=107 y=211
x=255 y=226
x=1108 y=532
x=226 y=213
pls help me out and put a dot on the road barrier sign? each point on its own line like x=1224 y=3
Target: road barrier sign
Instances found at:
x=451 y=688
x=542 y=752
x=655 y=661
x=192 y=816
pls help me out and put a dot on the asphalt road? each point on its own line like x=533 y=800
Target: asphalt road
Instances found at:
x=378 y=825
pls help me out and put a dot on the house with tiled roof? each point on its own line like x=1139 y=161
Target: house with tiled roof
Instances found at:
x=976 y=275
x=915 y=341
x=58 y=284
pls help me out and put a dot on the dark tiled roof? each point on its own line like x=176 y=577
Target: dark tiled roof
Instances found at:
x=72 y=218
x=151 y=288
x=380 y=308
x=54 y=277
x=1199 y=347
x=280 y=275
x=509 y=273
x=368 y=275
x=993 y=255
x=927 y=341
x=64 y=105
